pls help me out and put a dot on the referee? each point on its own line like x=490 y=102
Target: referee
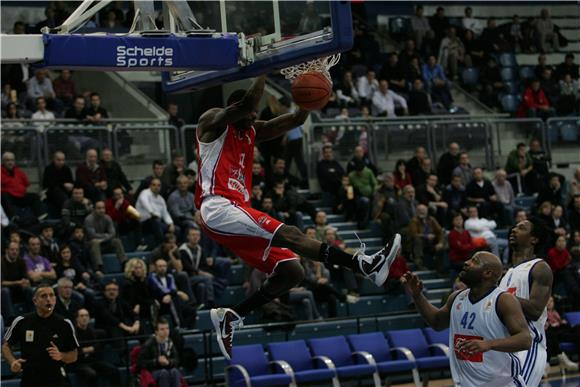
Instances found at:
x=47 y=343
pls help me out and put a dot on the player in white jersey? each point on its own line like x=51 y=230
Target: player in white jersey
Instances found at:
x=530 y=280
x=487 y=325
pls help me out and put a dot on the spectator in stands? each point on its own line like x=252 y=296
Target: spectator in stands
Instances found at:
x=115 y=316
x=57 y=180
x=329 y=172
x=402 y=176
x=413 y=71
x=505 y=194
x=439 y=23
x=286 y=204
x=364 y=183
x=267 y=208
x=406 y=207
x=490 y=37
x=461 y=244
x=567 y=67
x=436 y=82
x=320 y=224
x=66 y=305
x=430 y=195
x=454 y=195
x=68 y=266
x=76 y=209
x=40 y=86
x=419 y=101
x=480 y=192
x=426 y=236
x=393 y=72
x=42 y=115
x=164 y=289
x=519 y=167
x=569 y=99
x=38 y=267
x=279 y=173
x=256 y=199
x=154 y=216
x=50 y=21
x=14 y=184
x=420 y=176
x=414 y=164
x=559 y=258
x=91 y=177
x=483 y=228
x=64 y=87
x=491 y=83
x=366 y=86
x=79 y=247
x=464 y=170
x=77 y=111
x=359 y=155
x=558 y=330
x=346 y=92
x=542 y=65
x=173 y=111
x=114 y=173
x=535 y=103
x=48 y=245
x=124 y=216
x=160 y=356
x=540 y=164
x=102 y=236
x=95 y=112
x=451 y=53
x=408 y=54
x=384 y=101
x=520 y=216
x=573 y=186
x=88 y=366
x=172 y=171
x=157 y=168
x=383 y=207
x=422 y=32
x=558 y=223
x=550 y=86
x=574 y=213
x=553 y=192
x=12 y=112
x=181 y=205
x=545 y=32
x=137 y=293
x=15 y=283
x=470 y=23
x=516 y=36
x=447 y=163
x=294 y=150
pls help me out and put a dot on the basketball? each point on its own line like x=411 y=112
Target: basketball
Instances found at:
x=311 y=91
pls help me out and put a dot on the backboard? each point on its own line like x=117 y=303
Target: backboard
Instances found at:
x=286 y=33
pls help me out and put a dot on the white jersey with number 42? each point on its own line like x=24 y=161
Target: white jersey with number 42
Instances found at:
x=479 y=320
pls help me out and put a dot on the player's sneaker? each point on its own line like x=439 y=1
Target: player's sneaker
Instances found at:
x=225 y=321
x=376 y=266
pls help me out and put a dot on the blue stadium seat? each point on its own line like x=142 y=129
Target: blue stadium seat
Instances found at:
x=348 y=365
x=527 y=73
x=470 y=76
x=111 y=263
x=526 y=202
x=202 y=320
x=195 y=342
x=508 y=74
x=437 y=337
x=249 y=336
x=119 y=278
x=11 y=383
x=377 y=346
x=237 y=277
x=512 y=87
x=509 y=103
x=250 y=367
x=414 y=340
x=231 y=296
x=390 y=323
x=324 y=329
x=507 y=60
x=573 y=318
x=298 y=357
x=569 y=132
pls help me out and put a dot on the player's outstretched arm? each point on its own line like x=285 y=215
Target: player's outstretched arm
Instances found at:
x=213 y=122
x=510 y=312
x=436 y=318
x=268 y=130
x=540 y=292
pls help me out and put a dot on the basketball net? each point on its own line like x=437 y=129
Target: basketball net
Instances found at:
x=319 y=65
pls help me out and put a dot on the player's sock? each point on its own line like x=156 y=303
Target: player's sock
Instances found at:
x=253 y=302
x=335 y=256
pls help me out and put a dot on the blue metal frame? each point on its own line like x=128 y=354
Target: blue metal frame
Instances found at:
x=286 y=56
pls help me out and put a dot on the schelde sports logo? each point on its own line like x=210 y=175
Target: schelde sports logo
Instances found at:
x=134 y=56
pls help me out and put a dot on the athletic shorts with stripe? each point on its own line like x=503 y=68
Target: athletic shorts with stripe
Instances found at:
x=246 y=231
x=534 y=360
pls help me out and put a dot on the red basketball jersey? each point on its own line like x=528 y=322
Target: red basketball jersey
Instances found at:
x=225 y=166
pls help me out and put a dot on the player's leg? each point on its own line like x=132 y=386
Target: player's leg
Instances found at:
x=375 y=266
x=534 y=373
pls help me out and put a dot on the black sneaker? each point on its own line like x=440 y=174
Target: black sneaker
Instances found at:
x=225 y=321
x=376 y=266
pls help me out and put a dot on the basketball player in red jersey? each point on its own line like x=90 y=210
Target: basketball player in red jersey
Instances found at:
x=225 y=149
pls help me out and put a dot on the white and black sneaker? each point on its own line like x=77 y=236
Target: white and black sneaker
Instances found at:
x=225 y=321
x=376 y=267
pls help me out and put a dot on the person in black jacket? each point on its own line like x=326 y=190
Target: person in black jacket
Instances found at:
x=329 y=172
x=66 y=305
x=480 y=193
x=447 y=163
x=114 y=315
x=115 y=175
x=58 y=181
x=159 y=356
x=136 y=291
x=419 y=101
x=359 y=154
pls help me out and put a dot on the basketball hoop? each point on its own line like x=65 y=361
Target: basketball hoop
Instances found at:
x=320 y=65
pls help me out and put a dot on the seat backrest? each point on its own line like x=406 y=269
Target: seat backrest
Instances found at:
x=509 y=103
x=507 y=60
x=527 y=72
x=336 y=348
x=374 y=343
x=470 y=76
x=436 y=337
x=294 y=352
x=573 y=318
x=507 y=74
x=412 y=339
x=252 y=358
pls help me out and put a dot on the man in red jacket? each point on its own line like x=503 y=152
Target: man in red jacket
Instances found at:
x=13 y=187
x=535 y=103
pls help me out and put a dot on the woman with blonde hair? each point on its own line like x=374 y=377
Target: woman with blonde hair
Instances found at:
x=136 y=291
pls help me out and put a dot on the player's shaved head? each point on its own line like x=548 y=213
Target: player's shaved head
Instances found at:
x=490 y=262
x=482 y=267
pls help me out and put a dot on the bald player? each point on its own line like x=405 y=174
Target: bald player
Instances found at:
x=486 y=325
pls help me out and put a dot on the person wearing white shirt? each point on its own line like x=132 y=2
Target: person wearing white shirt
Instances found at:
x=482 y=228
x=153 y=211
x=367 y=85
x=42 y=116
x=384 y=101
x=470 y=23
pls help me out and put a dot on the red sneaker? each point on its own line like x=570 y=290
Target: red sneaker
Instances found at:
x=225 y=321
